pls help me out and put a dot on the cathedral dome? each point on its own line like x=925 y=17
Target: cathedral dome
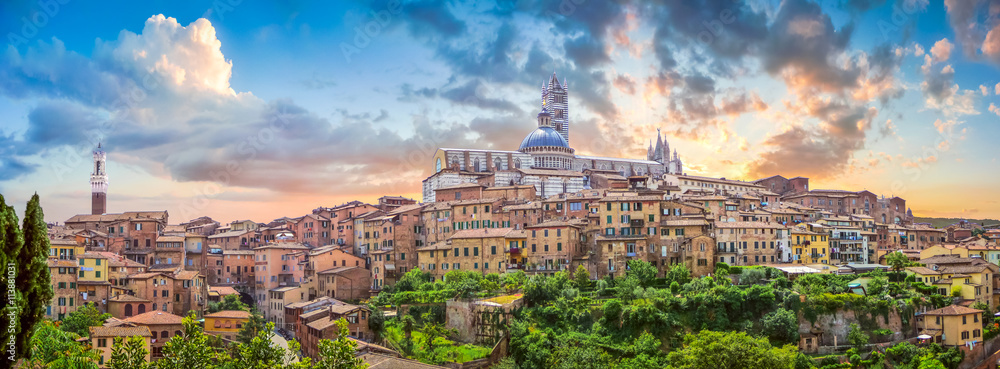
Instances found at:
x=543 y=136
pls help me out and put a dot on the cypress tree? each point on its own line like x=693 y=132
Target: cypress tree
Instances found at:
x=11 y=242
x=33 y=274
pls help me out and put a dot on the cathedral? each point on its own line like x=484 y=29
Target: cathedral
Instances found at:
x=544 y=159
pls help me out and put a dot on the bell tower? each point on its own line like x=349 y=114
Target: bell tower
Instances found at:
x=555 y=97
x=99 y=183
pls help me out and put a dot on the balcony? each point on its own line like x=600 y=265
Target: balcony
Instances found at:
x=515 y=266
x=636 y=223
x=514 y=250
x=731 y=250
x=848 y=238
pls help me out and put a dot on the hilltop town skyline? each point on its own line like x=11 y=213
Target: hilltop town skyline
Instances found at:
x=510 y=184
x=859 y=103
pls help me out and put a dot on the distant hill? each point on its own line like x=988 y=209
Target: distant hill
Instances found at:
x=944 y=222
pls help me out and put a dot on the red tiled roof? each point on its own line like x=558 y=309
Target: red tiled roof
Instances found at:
x=119 y=331
x=234 y=314
x=155 y=317
x=954 y=310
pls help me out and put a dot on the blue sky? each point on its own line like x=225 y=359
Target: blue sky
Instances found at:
x=264 y=110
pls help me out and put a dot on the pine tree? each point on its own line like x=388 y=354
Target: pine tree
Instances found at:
x=11 y=242
x=33 y=277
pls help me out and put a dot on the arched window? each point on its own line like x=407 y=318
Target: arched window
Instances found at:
x=164 y=334
x=154 y=306
x=437 y=166
x=475 y=165
x=497 y=164
x=177 y=333
x=517 y=163
x=128 y=310
x=142 y=308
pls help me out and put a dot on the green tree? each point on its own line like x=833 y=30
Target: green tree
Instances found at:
x=261 y=352
x=897 y=261
x=781 y=325
x=33 y=279
x=721 y=269
x=582 y=277
x=11 y=242
x=432 y=332
x=56 y=349
x=678 y=273
x=129 y=354
x=752 y=275
x=581 y=356
x=339 y=353
x=83 y=318
x=230 y=302
x=642 y=271
x=412 y=280
x=731 y=350
x=376 y=322
x=190 y=350
x=251 y=328
x=856 y=337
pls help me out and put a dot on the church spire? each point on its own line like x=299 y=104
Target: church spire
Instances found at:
x=658 y=155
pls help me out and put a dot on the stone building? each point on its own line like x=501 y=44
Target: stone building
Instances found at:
x=544 y=160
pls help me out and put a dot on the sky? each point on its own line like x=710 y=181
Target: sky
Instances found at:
x=238 y=109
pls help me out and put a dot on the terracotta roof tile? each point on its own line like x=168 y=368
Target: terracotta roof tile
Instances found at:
x=954 y=310
x=155 y=317
x=233 y=314
x=119 y=331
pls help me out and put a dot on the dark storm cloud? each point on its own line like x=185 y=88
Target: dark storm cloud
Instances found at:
x=804 y=40
x=586 y=52
x=432 y=19
x=476 y=93
x=726 y=30
x=489 y=59
x=699 y=84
